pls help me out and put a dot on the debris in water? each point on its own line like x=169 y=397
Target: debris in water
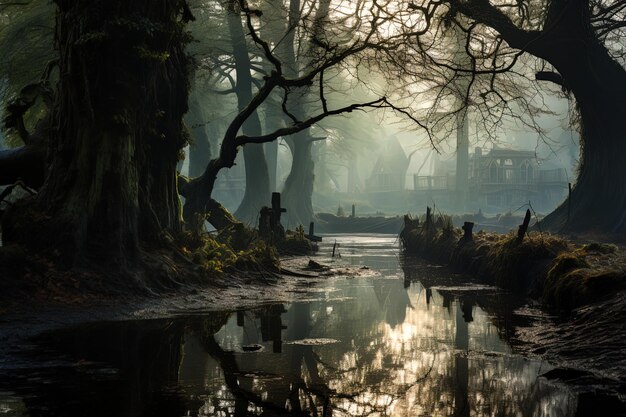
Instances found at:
x=316 y=266
x=251 y=348
x=313 y=342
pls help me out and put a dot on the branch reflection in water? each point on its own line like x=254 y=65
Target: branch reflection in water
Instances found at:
x=380 y=349
x=408 y=343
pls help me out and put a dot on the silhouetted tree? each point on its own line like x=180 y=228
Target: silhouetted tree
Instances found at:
x=578 y=46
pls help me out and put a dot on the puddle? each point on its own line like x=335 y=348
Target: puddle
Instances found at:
x=382 y=345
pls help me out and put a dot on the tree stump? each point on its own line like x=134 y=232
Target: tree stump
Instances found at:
x=467 y=228
x=265 y=222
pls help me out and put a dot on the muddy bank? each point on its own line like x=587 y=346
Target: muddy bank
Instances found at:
x=187 y=262
x=587 y=347
x=369 y=341
x=418 y=309
x=19 y=320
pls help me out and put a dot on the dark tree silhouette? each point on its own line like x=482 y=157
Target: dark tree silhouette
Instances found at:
x=114 y=133
x=577 y=43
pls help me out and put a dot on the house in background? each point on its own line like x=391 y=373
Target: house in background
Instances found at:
x=498 y=181
x=504 y=178
x=389 y=172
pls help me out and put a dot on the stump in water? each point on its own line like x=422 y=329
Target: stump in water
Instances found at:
x=523 y=227
x=467 y=228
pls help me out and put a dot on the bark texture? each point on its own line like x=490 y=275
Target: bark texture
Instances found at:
x=117 y=132
x=599 y=195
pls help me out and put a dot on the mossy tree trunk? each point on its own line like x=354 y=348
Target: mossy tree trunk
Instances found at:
x=111 y=188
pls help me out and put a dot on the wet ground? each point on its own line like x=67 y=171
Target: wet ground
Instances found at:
x=385 y=338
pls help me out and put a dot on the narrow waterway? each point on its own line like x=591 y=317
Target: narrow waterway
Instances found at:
x=394 y=340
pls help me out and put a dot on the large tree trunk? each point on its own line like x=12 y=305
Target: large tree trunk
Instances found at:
x=298 y=189
x=257 y=193
x=112 y=187
x=598 y=201
x=598 y=82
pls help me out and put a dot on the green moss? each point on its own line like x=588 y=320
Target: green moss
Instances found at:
x=573 y=281
x=604 y=248
x=92 y=37
x=259 y=255
x=149 y=55
x=294 y=243
x=562 y=274
x=215 y=255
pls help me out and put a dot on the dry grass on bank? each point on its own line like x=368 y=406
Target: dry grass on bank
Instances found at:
x=561 y=273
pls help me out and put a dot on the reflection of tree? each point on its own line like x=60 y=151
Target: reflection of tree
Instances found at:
x=294 y=393
x=393 y=300
x=428 y=363
x=229 y=366
x=461 y=343
x=272 y=325
x=120 y=368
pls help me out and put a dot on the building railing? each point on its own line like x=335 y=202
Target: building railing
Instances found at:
x=431 y=182
x=447 y=182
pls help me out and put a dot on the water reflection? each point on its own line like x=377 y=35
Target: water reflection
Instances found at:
x=365 y=347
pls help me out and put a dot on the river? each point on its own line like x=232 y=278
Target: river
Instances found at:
x=394 y=339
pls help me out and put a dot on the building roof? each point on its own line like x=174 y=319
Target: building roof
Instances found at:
x=510 y=153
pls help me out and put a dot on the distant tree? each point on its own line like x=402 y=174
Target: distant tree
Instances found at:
x=197 y=191
x=257 y=192
x=103 y=156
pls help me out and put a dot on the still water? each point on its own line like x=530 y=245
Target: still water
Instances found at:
x=397 y=340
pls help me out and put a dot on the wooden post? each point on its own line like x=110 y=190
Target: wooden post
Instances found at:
x=428 y=219
x=467 y=228
x=311 y=236
x=334 y=248
x=523 y=227
x=353 y=211
x=277 y=210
